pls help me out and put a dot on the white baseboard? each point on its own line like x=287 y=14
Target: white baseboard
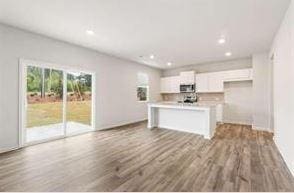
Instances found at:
x=4 y=150
x=253 y=126
x=236 y=122
x=262 y=129
x=122 y=123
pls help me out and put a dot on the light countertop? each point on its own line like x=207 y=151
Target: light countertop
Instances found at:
x=195 y=106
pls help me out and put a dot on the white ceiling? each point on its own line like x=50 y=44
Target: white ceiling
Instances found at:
x=179 y=31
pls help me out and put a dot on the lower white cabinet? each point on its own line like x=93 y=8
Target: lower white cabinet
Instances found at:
x=170 y=84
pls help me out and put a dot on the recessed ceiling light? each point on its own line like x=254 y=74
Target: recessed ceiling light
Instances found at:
x=222 y=41
x=90 y=32
x=152 y=56
x=228 y=54
x=169 y=63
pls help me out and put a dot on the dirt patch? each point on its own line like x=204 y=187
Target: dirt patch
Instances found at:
x=34 y=98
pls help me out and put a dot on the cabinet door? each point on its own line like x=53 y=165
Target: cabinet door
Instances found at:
x=175 y=84
x=237 y=75
x=163 y=85
x=215 y=82
x=187 y=77
x=170 y=84
x=202 y=83
x=190 y=79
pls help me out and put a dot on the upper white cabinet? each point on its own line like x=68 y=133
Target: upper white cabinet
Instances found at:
x=205 y=82
x=187 y=77
x=214 y=82
x=170 y=84
x=202 y=82
x=163 y=85
x=238 y=75
x=209 y=82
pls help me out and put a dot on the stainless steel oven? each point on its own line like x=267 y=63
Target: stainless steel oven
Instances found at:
x=189 y=88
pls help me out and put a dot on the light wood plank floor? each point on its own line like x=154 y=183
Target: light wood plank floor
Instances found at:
x=133 y=158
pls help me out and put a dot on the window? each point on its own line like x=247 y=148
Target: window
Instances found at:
x=142 y=87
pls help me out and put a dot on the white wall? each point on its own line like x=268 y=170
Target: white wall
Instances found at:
x=116 y=80
x=238 y=106
x=283 y=87
x=262 y=114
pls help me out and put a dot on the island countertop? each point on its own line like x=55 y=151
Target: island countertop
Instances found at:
x=175 y=105
x=193 y=118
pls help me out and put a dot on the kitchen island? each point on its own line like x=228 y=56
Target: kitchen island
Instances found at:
x=194 y=118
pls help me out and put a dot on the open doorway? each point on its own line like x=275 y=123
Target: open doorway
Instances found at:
x=55 y=102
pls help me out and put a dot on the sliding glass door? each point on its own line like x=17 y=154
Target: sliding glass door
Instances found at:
x=79 y=103
x=58 y=103
x=44 y=108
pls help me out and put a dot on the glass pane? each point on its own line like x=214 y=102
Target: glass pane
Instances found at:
x=142 y=93
x=79 y=103
x=44 y=104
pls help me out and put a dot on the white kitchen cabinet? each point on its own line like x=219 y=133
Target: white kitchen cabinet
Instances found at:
x=205 y=82
x=209 y=82
x=170 y=84
x=163 y=85
x=238 y=75
x=175 y=84
x=187 y=77
x=202 y=83
x=215 y=82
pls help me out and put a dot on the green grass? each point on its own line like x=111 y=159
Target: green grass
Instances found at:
x=51 y=113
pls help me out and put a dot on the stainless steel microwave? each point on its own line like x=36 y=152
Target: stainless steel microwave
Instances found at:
x=189 y=88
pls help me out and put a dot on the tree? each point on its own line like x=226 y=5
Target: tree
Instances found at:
x=34 y=75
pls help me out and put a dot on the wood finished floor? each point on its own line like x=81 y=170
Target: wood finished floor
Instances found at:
x=134 y=158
